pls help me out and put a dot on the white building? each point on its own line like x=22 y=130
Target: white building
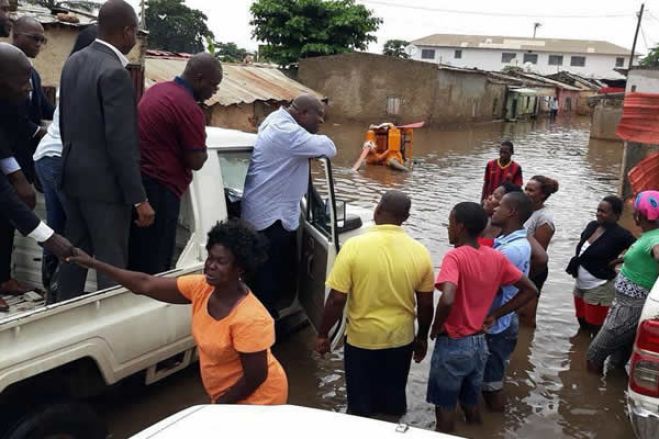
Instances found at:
x=643 y=80
x=595 y=59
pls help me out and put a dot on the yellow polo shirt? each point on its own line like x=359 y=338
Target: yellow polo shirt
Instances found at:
x=380 y=270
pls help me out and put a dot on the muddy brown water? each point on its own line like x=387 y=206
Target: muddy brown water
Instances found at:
x=550 y=394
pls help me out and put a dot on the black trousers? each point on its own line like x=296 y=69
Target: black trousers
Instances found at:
x=100 y=229
x=151 y=248
x=376 y=380
x=277 y=275
x=6 y=248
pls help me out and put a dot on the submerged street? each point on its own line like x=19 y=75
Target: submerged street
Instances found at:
x=550 y=394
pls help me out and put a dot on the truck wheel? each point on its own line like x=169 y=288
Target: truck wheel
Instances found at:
x=72 y=420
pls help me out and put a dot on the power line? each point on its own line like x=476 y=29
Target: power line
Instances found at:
x=492 y=14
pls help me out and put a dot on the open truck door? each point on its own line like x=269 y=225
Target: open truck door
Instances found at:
x=323 y=218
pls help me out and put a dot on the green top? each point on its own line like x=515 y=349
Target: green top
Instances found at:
x=640 y=267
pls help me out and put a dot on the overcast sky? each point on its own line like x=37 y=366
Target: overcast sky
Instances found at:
x=608 y=20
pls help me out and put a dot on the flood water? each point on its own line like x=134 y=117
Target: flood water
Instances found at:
x=550 y=394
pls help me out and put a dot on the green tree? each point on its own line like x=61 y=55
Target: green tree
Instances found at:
x=294 y=29
x=396 y=48
x=230 y=52
x=652 y=58
x=176 y=27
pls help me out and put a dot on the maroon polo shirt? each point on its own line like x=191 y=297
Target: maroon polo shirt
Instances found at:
x=171 y=123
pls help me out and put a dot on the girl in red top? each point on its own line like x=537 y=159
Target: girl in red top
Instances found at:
x=501 y=170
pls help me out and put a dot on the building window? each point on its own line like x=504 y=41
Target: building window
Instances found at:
x=531 y=57
x=393 y=106
x=620 y=61
x=555 y=60
x=457 y=54
x=578 y=61
x=507 y=57
x=427 y=53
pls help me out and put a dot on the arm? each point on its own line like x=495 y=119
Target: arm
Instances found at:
x=485 y=182
x=443 y=307
x=655 y=252
x=195 y=159
x=331 y=314
x=255 y=372
x=163 y=289
x=526 y=292
x=312 y=145
x=539 y=256
x=424 y=312
x=517 y=178
x=543 y=235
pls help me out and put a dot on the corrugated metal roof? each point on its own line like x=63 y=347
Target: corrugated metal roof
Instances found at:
x=241 y=83
x=46 y=17
x=554 y=45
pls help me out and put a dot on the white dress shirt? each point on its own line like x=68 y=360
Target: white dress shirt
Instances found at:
x=121 y=56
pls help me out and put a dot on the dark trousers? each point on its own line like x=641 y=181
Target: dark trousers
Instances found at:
x=376 y=380
x=151 y=248
x=277 y=275
x=6 y=248
x=100 y=229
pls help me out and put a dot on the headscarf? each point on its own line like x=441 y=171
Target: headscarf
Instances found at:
x=647 y=204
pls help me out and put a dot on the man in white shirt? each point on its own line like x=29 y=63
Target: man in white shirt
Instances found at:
x=276 y=181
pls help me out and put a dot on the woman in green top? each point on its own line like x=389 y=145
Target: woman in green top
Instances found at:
x=633 y=284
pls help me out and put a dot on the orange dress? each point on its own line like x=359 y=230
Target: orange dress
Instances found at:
x=247 y=328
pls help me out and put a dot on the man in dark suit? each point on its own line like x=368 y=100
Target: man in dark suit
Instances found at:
x=100 y=161
x=14 y=87
x=25 y=120
x=28 y=35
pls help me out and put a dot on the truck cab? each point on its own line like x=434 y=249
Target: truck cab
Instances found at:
x=55 y=357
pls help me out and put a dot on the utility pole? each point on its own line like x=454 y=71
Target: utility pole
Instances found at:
x=142 y=16
x=536 y=25
x=638 y=26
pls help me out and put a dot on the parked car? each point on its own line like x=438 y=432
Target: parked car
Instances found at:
x=54 y=358
x=289 y=421
x=643 y=391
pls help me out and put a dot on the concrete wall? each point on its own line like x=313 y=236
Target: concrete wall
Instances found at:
x=245 y=117
x=53 y=55
x=598 y=66
x=605 y=118
x=366 y=87
x=643 y=81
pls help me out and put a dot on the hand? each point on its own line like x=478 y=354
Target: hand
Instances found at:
x=323 y=345
x=59 y=246
x=420 y=349
x=41 y=132
x=488 y=322
x=435 y=330
x=81 y=258
x=368 y=144
x=23 y=189
x=145 y=215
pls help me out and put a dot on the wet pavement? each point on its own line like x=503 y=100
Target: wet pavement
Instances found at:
x=550 y=392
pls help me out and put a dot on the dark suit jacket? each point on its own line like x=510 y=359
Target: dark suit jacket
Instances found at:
x=10 y=204
x=18 y=136
x=98 y=125
x=37 y=107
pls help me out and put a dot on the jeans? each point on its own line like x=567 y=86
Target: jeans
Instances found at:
x=48 y=170
x=501 y=347
x=456 y=371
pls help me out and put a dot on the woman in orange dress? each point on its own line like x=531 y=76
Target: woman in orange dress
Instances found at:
x=233 y=330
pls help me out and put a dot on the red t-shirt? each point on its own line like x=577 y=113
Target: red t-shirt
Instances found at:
x=495 y=175
x=170 y=123
x=477 y=274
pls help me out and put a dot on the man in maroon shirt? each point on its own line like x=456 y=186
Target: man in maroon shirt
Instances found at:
x=172 y=130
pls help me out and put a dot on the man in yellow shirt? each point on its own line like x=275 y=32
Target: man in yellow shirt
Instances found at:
x=382 y=275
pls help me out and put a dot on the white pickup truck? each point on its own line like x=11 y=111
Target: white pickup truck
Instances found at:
x=54 y=358
x=643 y=391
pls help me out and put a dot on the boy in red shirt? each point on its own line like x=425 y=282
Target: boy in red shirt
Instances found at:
x=469 y=280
